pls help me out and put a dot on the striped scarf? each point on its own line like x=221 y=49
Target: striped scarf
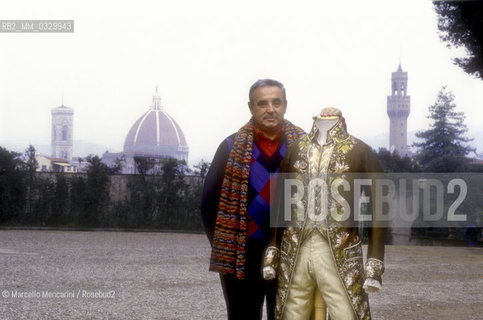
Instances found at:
x=228 y=252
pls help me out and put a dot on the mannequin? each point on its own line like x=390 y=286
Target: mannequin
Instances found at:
x=320 y=263
x=324 y=123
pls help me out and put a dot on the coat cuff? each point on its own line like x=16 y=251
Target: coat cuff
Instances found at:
x=271 y=257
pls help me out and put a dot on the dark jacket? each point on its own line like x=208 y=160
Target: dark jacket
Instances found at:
x=212 y=186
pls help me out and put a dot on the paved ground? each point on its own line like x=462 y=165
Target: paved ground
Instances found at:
x=164 y=276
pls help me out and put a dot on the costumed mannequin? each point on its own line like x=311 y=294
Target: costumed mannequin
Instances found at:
x=325 y=256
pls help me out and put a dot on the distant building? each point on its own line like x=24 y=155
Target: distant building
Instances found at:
x=49 y=164
x=153 y=135
x=62 y=133
x=80 y=164
x=398 y=108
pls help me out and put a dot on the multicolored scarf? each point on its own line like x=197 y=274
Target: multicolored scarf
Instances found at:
x=228 y=253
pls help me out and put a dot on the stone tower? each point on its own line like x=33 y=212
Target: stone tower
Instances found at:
x=398 y=108
x=62 y=132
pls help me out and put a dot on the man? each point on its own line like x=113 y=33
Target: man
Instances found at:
x=235 y=204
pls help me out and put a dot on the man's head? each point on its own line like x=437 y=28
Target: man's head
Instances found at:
x=267 y=105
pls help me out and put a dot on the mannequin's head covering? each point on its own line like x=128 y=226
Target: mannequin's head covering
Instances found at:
x=330 y=113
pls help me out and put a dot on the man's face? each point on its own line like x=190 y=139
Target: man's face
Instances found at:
x=268 y=107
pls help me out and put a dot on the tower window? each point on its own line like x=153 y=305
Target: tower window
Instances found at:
x=64 y=133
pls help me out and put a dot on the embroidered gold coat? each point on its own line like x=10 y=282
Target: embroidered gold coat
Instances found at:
x=342 y=153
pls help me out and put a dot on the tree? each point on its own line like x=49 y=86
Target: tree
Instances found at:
x=443 y=148
x=144 y=165
x=60 y=203
x=202 y=167
x=173 y=191
x=43 y=202
x=460 y=24
x=118 y=165
x=31 y=162
x=31 y=165
x=97 y=192
x=144 y=192
x=393 y=162
x=12 y=186
x=78 y=198
x=193 y=197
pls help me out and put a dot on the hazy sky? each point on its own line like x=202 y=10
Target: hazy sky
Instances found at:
x=204 y=55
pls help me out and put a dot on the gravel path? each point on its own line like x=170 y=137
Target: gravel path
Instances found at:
x=130 y=275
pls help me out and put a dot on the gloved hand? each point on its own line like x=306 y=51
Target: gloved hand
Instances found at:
x=373 y=274
x=271 y=259
x=269 y=273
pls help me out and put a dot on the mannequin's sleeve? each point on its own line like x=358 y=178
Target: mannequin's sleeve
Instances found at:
x=377 y=233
